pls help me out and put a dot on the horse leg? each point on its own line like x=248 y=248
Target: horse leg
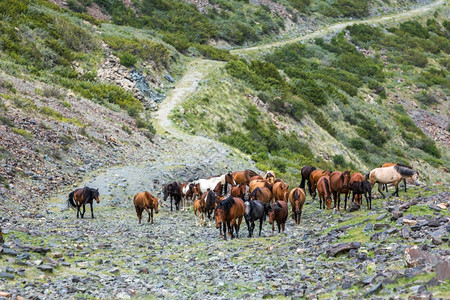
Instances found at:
x=379 y=190
x=396 y=189
x=78 y=211
x=279 y=226
x=92 y=211
x=171 y=204
x=260 y=225
x=225 y=230
x=335 y=199
x=84 y=210
x=238 y=226
x=282 y=225
x=404 y=182
x=230 y=225
x=273 y=227
x=249 y=228
x=151 y=214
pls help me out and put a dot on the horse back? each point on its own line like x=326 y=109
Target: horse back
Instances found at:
x=238 y=209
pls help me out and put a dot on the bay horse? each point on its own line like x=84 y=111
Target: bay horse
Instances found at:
x=362 y=187
x=82 y=196
x=269 y=176
x=199 y=207
x=261 y=193
x=314 y=179
x=254 y=210
x=356 y=177
x=211 y=201
x=306 y=172
x=323 y=189
x=173 y=190
x=280 y=191
x=393 y=174
x=339 y=183
x=243 y=176
x=145 y=201
x=297 y=198
x=259 y=183
x=385 y=187
x=239 y=190
x=228 y=214
x=277 y=212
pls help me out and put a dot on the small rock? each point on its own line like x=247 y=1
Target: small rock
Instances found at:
x=443 y=270
x=6 y=275
x=409 y=222
x=415 y=256
x=114 y=271
x=5 y=294
x=378 y=226
x=375 y=289
x=45 y=268
x=57 y=255
x=10 y=252
x=368 y=227
x=381 y=217
x=392 y=230
x=336 y=249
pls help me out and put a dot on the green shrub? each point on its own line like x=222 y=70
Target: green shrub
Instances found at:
x=127 y=129
x=429 y=146
x=357 y=144
x=127 y=60
x=339 y=161
x=23 y=132
x=426 y=98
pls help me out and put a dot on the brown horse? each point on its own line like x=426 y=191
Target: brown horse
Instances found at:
x=306 y=172
x=259 y=183
x=339 y=183
x=239 y=191
x=243 y=176
x=314 y=179
x=277 y=212
x=261 y=193
x=82 y=196
x=257 y=177
x=297 y=198
x=211 y=201
x=145 y=201
x=357 y=177
x=280 y=191
x=229 y=213
x=199 y=207
x=323 y=188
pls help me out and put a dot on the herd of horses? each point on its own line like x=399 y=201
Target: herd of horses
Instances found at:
x=255 y=197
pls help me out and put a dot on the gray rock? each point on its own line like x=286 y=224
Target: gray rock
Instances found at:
x=375 y=289
x=381 y=217
x=45 y=268
x=443 y=270
x=6 y=275
x=378 y=226
x=368 y=227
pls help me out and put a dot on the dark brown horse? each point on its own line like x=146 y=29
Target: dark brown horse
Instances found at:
x=261 y=193
x=280 y=191
x=229 y=213
x=357 y=177
x=339 y=184
x=323 y=188
x=243 y=176
x=297 y=198
x=362 y=187
x=81 y=197
x=211 y=201
x=314 y=179
x=306 y=172
x=239 y=191
x=145 y=201
x=173 y=190
x=277 y=212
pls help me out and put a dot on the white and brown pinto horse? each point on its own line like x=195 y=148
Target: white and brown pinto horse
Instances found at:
x=393 y=174
x=211 y=183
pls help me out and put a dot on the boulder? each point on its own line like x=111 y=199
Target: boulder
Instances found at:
x=414 y=256
x=336 y=249
x=443 y=270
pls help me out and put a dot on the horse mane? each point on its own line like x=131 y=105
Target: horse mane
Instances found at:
x=277 y=180
x=326 y=188
x=296 y=195
x=211 y=198
x=226 y=205
x=251 y=173
x=277 y=207
x=405 y=166
x=87 y=193
x=404 y=171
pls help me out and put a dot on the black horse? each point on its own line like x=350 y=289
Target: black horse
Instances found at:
x=362 y=187
x=211 y=201
x=173 y=190
x=254 y=210
x=306 y=171
x=81 y=197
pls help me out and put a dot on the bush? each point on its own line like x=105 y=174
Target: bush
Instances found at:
x=339 y=161
x=426 y=98
x=127 y=60
x=429 y=146
x=357 y=144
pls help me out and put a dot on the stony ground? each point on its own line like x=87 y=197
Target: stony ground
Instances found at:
x=111 y=256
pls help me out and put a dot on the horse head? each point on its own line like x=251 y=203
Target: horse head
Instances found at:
x=96 y=195
x=230 y=179
x=346 y=178
x=247 y=208
x=218 y=215
x=328 y=202
x=155 y=204
x=271 y=213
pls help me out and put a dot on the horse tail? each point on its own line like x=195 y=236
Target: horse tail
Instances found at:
x=302 y=183
x=70 y=201
x=255 y=191
x=326 y=188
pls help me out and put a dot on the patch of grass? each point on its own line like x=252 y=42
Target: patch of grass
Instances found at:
x=23 y=132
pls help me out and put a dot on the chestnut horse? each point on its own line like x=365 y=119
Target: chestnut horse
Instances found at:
x=229 y=213
x=145 y=201
x=306 y=172
x=393 y=174
x=199 y=207
x=314 y=179
x=82 y=196
x=323 y=188
x=261 y=193
x=280 y=191
x=277 y=212
x=297 y=198
x=259 y=183
x=356 y=177
x=257 y=177
x=339 y=183
x=239 y=191
x=243 y=176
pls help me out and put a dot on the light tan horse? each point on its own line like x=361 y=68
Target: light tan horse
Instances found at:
x=259 y=183
x=145 y=201
x=393 y=174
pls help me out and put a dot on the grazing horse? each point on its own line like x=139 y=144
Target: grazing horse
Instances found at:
x=145 y=201
x=280 y=191
x=362 y=187
x=277 y=212
x=393 y=174
x=243 y=176
x=173 y=190
x=254 y=210
x=229 y=213
x=306 y=172
x=314 y=179
x=239 y=191
x=261 y=193
x=269 y=176
x=385 y=188
x=356 y=177
x=199 y=207
x=259 y=183
x=82 y=196
x=339 y=183
x=297 y=198
x=323 y=188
